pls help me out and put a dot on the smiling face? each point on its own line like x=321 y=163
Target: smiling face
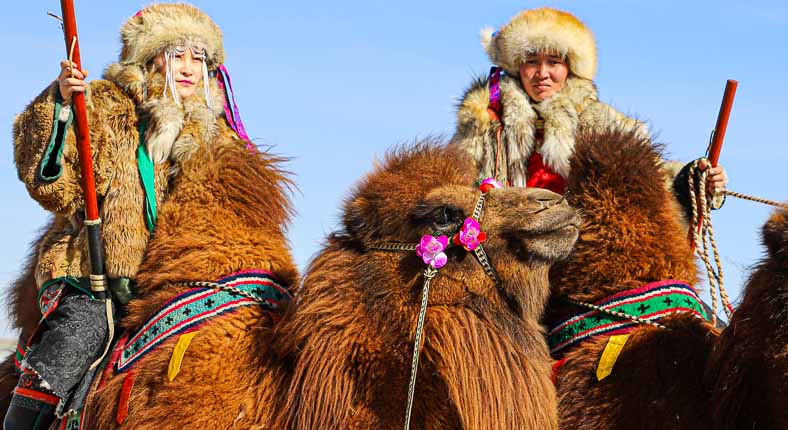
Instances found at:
x=543 y=74
x=187 y=68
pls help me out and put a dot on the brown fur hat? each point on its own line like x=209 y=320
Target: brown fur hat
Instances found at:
x=540 y=30
x=166 y=25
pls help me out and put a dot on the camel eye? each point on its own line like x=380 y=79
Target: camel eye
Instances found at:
x=442 y=219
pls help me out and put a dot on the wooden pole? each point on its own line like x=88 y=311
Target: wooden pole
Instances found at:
x=98 y=281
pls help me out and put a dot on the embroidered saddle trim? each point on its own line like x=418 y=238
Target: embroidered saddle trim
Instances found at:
x=189 y=310
x=650 y=302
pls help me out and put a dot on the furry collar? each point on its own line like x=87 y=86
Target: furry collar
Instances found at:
x=172 y=131
x=560 y=114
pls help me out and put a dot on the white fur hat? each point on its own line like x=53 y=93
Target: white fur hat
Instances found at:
x=539 y=30
x=165 y=25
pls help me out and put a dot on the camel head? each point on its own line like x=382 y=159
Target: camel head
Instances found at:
x=428 y=189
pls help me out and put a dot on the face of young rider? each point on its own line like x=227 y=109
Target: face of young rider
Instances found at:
x=187 y=69
x=543 y=75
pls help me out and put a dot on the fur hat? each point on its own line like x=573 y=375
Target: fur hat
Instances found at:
x=539 y=30
x=167 y=25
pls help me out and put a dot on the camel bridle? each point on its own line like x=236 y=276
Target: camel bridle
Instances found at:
x=429 y=273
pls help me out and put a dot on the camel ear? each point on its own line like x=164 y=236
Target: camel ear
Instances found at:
x=354 y=218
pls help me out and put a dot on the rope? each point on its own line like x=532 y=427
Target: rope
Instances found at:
x=703 y=236
x=499 y=152
x=481 y=256
x=393 y=246
x=615 y=313
x=477 y=210
x=110 y=332
x=755 y=199
x=71 y=55
x=429 y=273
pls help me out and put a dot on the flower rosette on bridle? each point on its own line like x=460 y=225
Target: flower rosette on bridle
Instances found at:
x=470 y=235
x=488 y=184
x=431 y=250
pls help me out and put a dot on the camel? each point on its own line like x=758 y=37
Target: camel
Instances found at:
x=633 y=250
x=749 y=364
x=484 y=362
x=226 y=215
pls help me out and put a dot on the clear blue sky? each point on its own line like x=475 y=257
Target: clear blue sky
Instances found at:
x=333 y=84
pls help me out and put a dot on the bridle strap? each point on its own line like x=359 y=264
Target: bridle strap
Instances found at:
x=430 y=273
x=479 y=252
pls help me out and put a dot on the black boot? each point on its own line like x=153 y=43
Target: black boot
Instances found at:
x=32 y=406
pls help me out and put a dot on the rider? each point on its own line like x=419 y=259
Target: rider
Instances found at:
x=542 y=93
x=152 y=109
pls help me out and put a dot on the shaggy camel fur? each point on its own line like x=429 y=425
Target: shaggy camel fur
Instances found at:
x=632 y=235
x=749 y=365
x=227 y=212
x=341 y=356
x=484 y=363
x=22 y=306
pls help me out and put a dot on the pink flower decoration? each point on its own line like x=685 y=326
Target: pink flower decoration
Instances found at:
x=431 y=248
x=488 y=184
x=470 y=235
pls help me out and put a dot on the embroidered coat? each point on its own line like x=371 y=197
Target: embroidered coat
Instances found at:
x=46 y=157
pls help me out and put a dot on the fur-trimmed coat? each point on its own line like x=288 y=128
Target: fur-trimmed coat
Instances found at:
x=46 y=157
x=576 y=105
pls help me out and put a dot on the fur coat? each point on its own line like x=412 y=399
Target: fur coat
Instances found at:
x=46 y=158
x=576 y=105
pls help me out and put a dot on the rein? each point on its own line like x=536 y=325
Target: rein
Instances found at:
x=430 y=249
x=703 y=235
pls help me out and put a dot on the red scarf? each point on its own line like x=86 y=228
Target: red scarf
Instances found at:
x=541 y=175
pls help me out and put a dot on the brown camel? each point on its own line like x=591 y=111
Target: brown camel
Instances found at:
x=22 y=306
x=749 y=365
x=227 y=213
x=634 y=249
x=484 y=363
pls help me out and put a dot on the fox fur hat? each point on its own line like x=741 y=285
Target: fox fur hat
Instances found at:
x=542 y=30
x=166 y=25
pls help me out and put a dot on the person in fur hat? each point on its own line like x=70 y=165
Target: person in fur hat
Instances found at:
x=151 y=110
x=520 y=123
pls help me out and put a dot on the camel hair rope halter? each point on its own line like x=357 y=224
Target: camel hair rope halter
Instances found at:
x=704 y=234
x=430 y=249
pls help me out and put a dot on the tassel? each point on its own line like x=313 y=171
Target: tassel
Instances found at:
x=231 y=107
x=177 y=355
x=125 y=394
x=613 y=348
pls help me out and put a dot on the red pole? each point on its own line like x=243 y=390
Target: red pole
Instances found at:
x=715 y=146
x=92 y=220
x=722 y=121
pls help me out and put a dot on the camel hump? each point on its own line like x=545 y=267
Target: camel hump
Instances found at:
x=618 y=158
x=775 y=235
